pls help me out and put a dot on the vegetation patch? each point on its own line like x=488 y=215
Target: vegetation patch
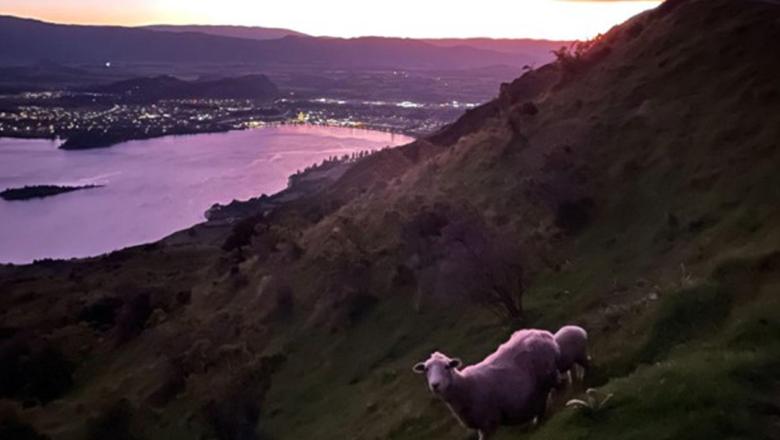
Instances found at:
x=114 y=422
x=33 y=371
x=687 y=315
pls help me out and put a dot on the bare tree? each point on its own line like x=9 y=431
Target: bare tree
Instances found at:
x=483 y=266
x=456 y=254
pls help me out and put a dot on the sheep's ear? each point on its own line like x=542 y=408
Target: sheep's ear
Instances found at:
x=419 y=368
x=455 y=363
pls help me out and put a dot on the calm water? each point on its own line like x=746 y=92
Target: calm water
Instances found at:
x=153 y=187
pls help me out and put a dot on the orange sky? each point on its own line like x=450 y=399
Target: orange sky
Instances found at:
x=554 y=19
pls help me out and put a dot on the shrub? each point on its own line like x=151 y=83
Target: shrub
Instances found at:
x=573 y=216
x=114 y=423
x=33 y=371
x=242 y=233
x=101 y=315
x=580 y=54
x=359 y=306
x=132 y=318
x=13 y=428
x=234 y=412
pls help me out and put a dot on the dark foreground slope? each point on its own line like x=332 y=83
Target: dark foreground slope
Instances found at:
x=634 y=185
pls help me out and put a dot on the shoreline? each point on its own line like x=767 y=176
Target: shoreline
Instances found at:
x=62 y=141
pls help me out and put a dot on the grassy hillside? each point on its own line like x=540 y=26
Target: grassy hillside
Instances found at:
x=629 y=187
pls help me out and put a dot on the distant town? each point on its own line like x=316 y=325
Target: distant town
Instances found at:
x=196 y=82
x=69 y=115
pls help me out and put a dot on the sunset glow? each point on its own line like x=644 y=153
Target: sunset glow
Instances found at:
x=551 y=19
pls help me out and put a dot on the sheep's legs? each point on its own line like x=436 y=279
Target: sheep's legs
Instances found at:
x=583 y=366
x=562 y=381
x=550 y=401
x=574 y=373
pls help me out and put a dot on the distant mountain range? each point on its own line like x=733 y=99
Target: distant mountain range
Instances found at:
x=537 y=50
x=28 y=41
x=246 y=32
x=521 y=46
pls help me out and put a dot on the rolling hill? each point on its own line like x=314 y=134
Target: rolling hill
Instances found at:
x=152 y=89
x=629 y=187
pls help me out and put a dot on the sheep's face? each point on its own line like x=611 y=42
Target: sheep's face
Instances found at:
x=438 y=370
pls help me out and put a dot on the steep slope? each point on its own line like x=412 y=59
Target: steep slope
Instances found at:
x=638 y=183
x=629 y=187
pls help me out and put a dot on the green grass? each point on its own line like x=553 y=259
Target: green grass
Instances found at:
x=709 y=368
x=365 y=375
x=704 y=368
x=721 y=390
x=688 y=315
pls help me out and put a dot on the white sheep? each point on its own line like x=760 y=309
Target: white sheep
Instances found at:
x=573 y=345
x=509 y=387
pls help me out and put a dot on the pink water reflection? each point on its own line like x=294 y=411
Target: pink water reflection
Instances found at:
x=153 y=187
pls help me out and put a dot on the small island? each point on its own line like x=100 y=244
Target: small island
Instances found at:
x=91 y=139
x=40 y=191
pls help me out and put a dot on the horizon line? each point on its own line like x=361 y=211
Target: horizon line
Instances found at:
x=301 y=34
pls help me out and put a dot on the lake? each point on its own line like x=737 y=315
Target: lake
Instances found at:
x=152 y=187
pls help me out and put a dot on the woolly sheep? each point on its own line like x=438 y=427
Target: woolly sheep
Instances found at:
x=509 y=387
x=573 y=345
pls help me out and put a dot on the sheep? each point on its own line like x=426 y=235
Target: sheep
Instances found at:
x=509 y=387
x=573 y=346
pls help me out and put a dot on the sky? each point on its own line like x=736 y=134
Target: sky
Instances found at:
x=551 y=19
